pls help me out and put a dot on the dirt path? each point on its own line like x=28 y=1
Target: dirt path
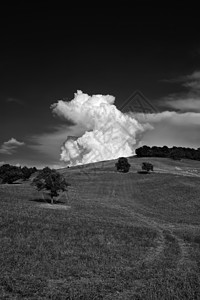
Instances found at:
x=168 y=245
x=175 y=172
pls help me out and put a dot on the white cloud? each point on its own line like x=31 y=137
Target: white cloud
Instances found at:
x=186 y=118
x=108 y=133
x=187 y=104
x=10 y=146
x=172 y=129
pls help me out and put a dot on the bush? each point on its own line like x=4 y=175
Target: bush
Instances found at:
x=123 y=165
x=146 y=166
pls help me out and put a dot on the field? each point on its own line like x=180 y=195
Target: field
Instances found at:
x=111 y=236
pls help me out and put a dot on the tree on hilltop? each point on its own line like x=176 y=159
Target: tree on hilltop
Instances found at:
x=123 y=165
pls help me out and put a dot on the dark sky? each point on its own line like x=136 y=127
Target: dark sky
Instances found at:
x=48 y=54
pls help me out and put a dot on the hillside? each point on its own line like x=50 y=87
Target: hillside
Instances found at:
x=161 y=165
x=122 y=236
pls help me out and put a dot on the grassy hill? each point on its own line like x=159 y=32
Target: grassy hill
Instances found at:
x=112 y=236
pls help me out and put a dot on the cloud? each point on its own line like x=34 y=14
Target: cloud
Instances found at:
x=189 y=100
x=192 y=82
x=184 y=79
x=186 y=104
x=194 y=76
x=14 y=100
x=187 y=118
x=49 y=143
x=168 y=128
x=171 y=128
x=2 y=163
x=108 y=133
x=10 y=146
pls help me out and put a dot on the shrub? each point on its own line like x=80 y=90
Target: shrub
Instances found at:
x=146 y=166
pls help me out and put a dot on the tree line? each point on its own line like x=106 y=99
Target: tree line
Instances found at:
x=9 y=173
x=176 y=153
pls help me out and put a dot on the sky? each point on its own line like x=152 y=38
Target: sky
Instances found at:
x=48 y=54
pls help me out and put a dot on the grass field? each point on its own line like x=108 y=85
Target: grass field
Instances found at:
x=112 y=236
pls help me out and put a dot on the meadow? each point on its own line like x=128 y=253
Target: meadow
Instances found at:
x=111 y=236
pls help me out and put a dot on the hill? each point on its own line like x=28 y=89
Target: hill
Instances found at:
x=123 y=236
x=161 y=165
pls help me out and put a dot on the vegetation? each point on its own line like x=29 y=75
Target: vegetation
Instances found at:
x=51 y=181
x=146 y=166
x=125 y=237
x=9 y=173
x=123 y=165
x=176 y=153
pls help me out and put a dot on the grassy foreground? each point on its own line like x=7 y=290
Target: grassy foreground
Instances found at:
x=122 y=236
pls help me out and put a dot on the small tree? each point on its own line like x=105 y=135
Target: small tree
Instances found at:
x=146 y=166
x=123 y=165
x=51 y=181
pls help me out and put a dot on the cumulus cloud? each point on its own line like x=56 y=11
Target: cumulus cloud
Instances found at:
x=10 y=146
x=107 y=132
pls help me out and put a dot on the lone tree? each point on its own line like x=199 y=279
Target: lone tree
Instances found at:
x=122 y=165
x=51 y=181
x=146 y=166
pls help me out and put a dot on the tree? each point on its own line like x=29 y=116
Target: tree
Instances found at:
x=9 y=174
x=51 y=181
x=175 y=154
x=146 y=166
x=123 y=165
x=143 y=151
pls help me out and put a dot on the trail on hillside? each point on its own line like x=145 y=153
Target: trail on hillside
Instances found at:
x=169 y=246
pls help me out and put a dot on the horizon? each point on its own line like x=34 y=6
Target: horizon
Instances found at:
x=103 y=161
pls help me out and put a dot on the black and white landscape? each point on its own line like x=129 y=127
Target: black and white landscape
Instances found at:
x=100 y=152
